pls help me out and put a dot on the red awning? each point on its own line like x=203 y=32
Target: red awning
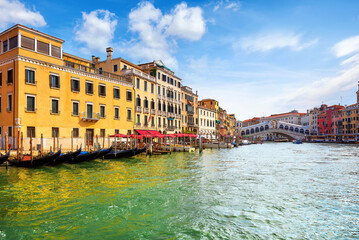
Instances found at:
x=135 y=136
x=170 y=135
x=150 y=133
x=156 y=133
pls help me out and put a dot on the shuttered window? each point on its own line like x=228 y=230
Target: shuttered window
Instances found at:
x=55 y=51
x=28 y=43
x=13 y=42
x=42 y=47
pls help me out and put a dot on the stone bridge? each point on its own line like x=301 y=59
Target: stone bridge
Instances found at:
x=274 y=128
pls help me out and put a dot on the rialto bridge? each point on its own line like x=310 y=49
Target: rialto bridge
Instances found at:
x=271 y=130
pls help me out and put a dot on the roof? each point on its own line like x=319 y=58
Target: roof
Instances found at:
x=32 y=31
x=76 y=57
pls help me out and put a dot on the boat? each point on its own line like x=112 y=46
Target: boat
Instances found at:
x=104 y=152
x=121 y=154
x=85 y=156
x=65 y=157
x=245 y=142
x=39 y=161
x=141 y=150
x=4 y=158
x=297 y=141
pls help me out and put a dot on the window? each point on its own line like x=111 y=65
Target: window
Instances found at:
x=30 y=104
x=163 y=78
x=4 y=44
x=129 y=95
x=137 y=83
x=0 y=78
x=117 y=113
x=163 y=91
x=9 y=102
x=145 y=85
x=102 y=111
x=30 y=132
x=89 y=88
x=75 y=132
x=159 y=90
x=129 y=114
x=138 y=119
x=9 y=76
x=100 y=70
x=159 y=75
x=152 y=88
x=116 y=93
x=9 y=131
x=89 y=108
x=54 y=81
x=124 y=66
x=102 y=90
x=0 y=104
x=55 y=132
x=54 y=106
x=75 y=108
x=102 y=133
x=42 y=47
x=13 y=42
x=115 y=68
x=55 y=51
x=29 y=76
x=75 y=85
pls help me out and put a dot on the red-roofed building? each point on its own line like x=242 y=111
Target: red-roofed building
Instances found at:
x=250 y=122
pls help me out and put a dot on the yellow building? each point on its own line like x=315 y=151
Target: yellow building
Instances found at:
x=45 y=91
x=189 y=110
x=145 y=87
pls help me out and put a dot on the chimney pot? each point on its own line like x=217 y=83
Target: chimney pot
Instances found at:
x=109 y=51
x=97 y=59
x=93 y=58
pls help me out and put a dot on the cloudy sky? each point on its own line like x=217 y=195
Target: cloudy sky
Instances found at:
x=255 y=57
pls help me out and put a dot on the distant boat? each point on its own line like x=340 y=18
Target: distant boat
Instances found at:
x=245 y=142
x=297 y=141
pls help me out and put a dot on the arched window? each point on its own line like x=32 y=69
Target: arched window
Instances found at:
x=281 y=126
x=138 y=101
x=266 y=127
x=145 y=103
x=247 y=131
x=159 y=106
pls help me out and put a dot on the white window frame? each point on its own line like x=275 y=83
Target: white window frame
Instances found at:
x=114 y=112
x=119 y=93
x=34 y=96
x=78 y=108
x=102 y=105
x=127 y=114
x=31 y=69
x=93 y=89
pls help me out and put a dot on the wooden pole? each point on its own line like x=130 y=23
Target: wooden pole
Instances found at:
x=6 y=145
x=22 y=145
x=42 y=144
x=108 y=140
x=115 y=144
x=72 y=141
x=103 y=141
x=97 y=140
x=18 y=143
x=54 y=140
x=31 y=146
x=58 y=144
x=127 y=142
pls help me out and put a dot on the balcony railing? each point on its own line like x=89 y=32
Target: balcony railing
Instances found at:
x=171 y=128
x=138 y=109
x=138 y=73
x=190 y=112
x=138 y=124
x=190 y=123
x=153 y=111
x=90 y=117
x=146 y=110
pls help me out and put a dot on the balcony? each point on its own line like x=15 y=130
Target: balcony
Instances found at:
x=138 y=109
x=138 y=73
x=178 y=116
x=190 y=123
x=90 y=117
x=190 y=112
x=138 y=124
x=164 y=114
x=146 y=110
x=171 y=128
x=153 y=111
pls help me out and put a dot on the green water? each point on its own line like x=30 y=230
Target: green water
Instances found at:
x=269 y=191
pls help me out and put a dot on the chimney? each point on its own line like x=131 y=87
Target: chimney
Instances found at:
x=97 y=59
x=109 y=51
x=93 y=59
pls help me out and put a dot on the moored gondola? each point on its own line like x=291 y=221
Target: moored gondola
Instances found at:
x=65 y=157
x=35 y=162
x=85 y=156
x=120 y=154
x=5 y=157
x=140 y=150
x=104 y=152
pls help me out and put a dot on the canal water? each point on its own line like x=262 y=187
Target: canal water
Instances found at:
x=268 y=191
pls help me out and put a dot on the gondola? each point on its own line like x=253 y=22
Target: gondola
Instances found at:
x=104 y=152
x=65 y=157
x=35 y=162
x=85 y=156
x=141 y=150
x=121 y=154
x=5 y=157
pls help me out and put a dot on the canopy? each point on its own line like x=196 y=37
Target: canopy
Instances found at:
x=150 y=133
x=170 y=135
x=135 y=136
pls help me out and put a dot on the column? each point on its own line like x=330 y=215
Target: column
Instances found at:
x=19 y=39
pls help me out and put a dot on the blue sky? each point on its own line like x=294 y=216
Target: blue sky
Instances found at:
x=255 y=57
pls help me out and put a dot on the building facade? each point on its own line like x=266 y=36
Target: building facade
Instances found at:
x=207 y=122
x=189 y=107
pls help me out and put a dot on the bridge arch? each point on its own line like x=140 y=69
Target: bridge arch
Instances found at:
x=261 y=128
x=266 y=127
x=257 y=129
x=291 y=129
x=281 y=126
x=296 y=130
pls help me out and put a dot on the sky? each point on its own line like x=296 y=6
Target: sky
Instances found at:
x=255 y=57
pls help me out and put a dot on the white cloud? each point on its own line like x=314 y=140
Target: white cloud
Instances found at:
x=14 y=12
x=347 y=46
x=96 y=30
x=157 y=33
x=227 y=4
x=265 y=42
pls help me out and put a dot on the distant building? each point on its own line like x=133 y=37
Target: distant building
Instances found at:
x=291 y=117
x=250 y=122
x=207 y=121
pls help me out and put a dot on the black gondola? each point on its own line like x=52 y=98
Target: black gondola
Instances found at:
x=5 y=157
x=65 y=157
x=141 y=150
x=36 y=162
x=85 y=157
x=120 y=154
x=104 y=152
